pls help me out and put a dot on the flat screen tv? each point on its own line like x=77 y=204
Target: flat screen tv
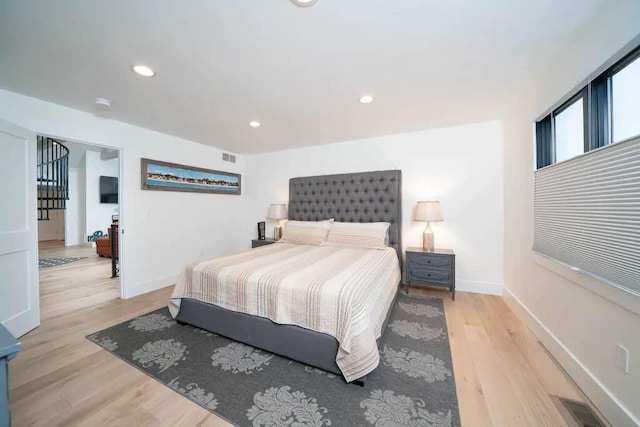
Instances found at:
x=108 y=189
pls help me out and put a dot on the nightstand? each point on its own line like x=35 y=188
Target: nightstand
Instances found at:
x=256 y=243
x=437 y=268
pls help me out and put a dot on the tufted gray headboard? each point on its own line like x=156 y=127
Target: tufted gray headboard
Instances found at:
x=352 y=197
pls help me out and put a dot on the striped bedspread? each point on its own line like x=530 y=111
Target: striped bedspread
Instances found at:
x=344 y=292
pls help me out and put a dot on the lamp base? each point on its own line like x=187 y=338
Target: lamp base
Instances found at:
x=427 y=241
x=277 y=232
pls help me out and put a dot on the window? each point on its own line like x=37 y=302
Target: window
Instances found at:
x=605 y=111
x=569 y=127
x=586 y=210
x=625 y=101
x=586 y=214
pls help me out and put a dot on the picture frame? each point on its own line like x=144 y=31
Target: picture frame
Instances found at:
x=157 y=175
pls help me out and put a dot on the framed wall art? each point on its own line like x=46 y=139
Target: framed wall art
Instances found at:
x=164 y=176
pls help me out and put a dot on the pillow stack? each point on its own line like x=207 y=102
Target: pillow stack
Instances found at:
x=372 y=235
x=306 y=232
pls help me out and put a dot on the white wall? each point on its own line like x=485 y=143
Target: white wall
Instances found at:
x=72 y=233
x=53 y=228
x=461 y=166
x=82 y=204
x=579 y=327
x=163 y=231
x=98 y=215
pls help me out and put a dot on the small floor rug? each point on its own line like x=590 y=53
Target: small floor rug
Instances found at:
x=54 y=262
x=413 y=386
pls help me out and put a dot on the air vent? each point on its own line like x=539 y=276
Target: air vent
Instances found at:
x=581 y=413
x=229 y=157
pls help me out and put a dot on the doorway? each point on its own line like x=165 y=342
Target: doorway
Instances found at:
x=78 y=217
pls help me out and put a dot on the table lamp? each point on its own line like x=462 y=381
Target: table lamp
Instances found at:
x=428 y=211
x=277 y=212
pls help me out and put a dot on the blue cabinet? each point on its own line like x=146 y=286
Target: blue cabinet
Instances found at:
x=9 y=348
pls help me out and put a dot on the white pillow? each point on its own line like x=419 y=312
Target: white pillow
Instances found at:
x=362 y=234
x=306 y=232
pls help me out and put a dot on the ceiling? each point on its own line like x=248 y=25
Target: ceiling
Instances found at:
x=299 y=71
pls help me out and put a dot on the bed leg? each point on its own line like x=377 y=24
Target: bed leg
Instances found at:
x=358 y=382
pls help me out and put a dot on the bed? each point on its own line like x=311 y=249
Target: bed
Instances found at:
x=317 y=341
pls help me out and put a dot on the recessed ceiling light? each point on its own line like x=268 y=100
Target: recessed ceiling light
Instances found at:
x=304 y=3
x=366 y=99
x=143 y=70
x=254 y=124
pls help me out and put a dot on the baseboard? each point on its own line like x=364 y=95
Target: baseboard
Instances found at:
x=19 y=324
x=149 y=286
x=608 y=405
x=479 y=287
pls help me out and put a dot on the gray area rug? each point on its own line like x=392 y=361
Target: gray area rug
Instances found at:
x=413 y=385
x=53 y=262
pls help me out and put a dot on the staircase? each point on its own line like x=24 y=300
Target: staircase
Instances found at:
x=52 y=176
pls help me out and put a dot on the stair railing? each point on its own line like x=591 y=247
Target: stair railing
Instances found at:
x=52 y=176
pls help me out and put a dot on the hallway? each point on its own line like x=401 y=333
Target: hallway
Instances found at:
x=75 y=285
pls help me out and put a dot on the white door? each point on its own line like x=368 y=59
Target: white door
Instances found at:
x=19 y=298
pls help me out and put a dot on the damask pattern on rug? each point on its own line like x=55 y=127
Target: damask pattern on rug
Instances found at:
x=104 y=342
x=163 y=353
x=415 y=330
x=420 y=309
x=281 y=407
x=195 y=393
x=416 y=365
x=151 y=322
x=237 y=357
x=412 y=387
x=385 y=408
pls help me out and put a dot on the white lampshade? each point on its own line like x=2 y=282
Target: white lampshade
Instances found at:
x=278 y=211
x=428 y=211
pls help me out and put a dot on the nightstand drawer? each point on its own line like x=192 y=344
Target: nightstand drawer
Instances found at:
x=428 y=260
x=426 y=274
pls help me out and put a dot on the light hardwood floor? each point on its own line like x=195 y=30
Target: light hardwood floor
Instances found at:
x=504 y=377
x=78 y=284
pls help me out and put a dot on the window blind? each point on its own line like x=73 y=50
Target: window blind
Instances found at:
x=587 y=213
